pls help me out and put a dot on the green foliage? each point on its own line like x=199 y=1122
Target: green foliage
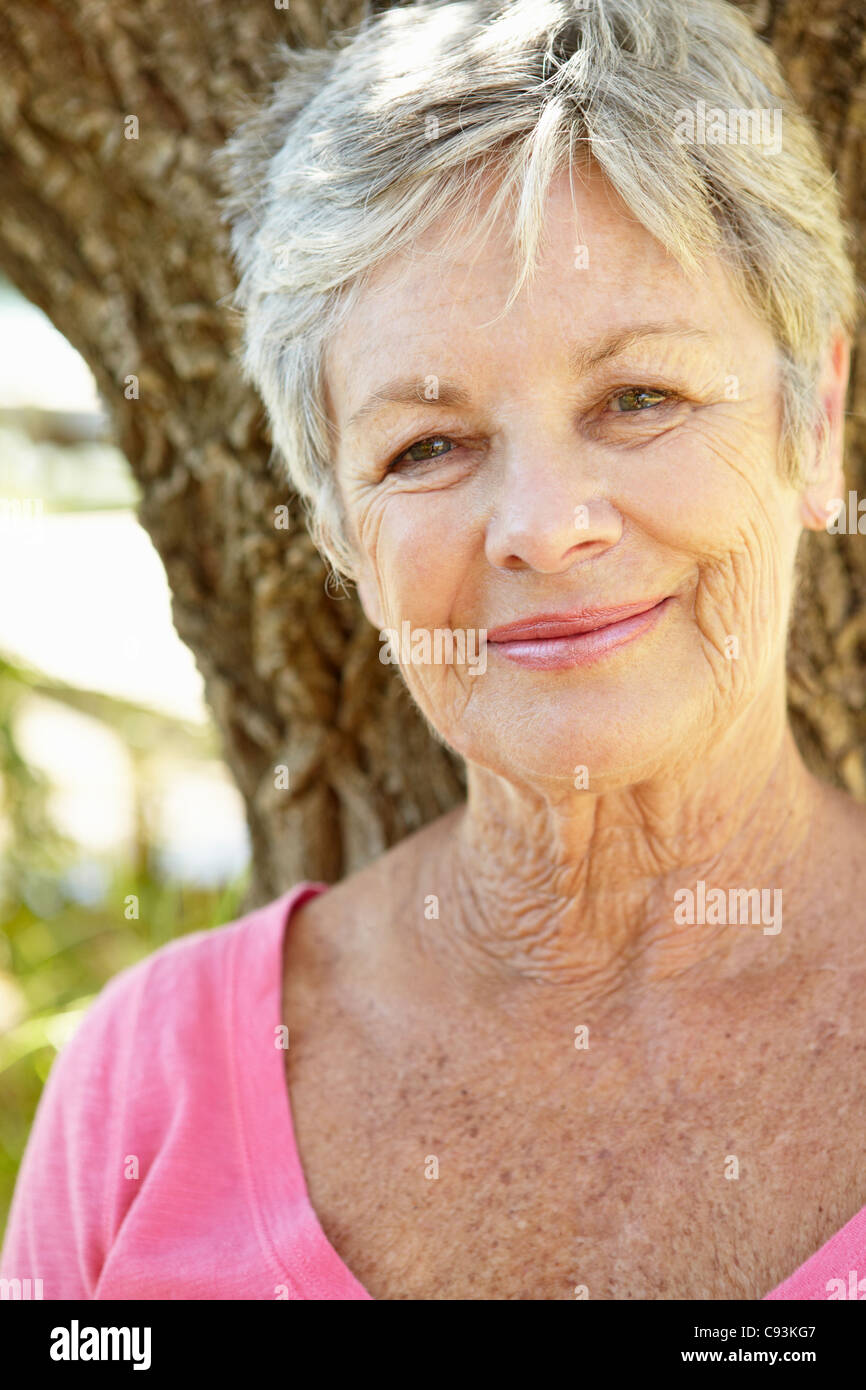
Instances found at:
x=52 y=967
x=55 y=952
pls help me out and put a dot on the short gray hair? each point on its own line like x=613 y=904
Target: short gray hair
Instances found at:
x=362 y=145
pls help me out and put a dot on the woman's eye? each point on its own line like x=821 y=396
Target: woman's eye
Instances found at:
x=429 y=449
x=631 y=402
x=637 y=399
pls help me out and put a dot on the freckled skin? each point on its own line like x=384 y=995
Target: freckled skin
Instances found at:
x=454 y=1037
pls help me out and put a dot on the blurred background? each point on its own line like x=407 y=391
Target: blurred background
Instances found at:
x=120 y=826
x=131 y=812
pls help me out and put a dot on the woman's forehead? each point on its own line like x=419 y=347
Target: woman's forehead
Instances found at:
x=444 y=300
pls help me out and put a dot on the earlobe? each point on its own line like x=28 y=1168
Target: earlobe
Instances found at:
x=816 y=514
x=822 y=496
x=821 y=499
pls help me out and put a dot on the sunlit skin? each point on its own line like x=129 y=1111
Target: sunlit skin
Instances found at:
x=671 y=447
x=556 y=903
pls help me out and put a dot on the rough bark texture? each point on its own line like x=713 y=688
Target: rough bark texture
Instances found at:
x=117 y=240
x=822 y=47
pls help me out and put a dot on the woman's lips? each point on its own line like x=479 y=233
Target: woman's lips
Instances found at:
x=554 y=642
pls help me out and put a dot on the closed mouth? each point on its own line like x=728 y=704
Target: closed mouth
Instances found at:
x=546 y=626
x=561 y=641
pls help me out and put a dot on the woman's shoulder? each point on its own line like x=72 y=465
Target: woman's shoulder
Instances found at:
x=162 y=1033
x=176 y=999
x=148 y=1082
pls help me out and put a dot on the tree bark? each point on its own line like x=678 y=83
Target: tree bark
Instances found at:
x=821 y=45
x=117 y=239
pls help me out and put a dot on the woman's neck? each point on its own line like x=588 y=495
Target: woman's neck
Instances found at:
x=597 y=893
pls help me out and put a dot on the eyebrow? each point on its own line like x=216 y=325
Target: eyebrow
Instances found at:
x=581 y=360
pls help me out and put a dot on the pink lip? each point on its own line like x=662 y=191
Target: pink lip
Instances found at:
x=556 y=641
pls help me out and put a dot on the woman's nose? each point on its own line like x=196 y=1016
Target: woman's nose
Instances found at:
x=549 y=522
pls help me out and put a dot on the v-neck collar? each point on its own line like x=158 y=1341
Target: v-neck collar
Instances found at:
x=277 y=1181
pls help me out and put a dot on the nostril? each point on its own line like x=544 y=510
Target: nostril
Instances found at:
x=585 y=549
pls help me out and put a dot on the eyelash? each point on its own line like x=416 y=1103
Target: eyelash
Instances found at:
x=668 y=397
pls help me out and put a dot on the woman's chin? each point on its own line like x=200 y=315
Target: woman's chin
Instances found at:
x=586 y=754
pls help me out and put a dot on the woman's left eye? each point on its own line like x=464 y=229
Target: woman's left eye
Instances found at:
x=637 y=398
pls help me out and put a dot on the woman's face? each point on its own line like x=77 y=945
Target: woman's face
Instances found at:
x=611 y=441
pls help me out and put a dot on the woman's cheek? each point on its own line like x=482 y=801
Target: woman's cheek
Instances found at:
x=741 y=611
x=422 y=551
x=698 y=495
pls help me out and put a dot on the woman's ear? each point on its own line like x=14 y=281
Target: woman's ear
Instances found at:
x=823 y=494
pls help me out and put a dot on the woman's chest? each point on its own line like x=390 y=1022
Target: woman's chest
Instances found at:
x=484 y=1181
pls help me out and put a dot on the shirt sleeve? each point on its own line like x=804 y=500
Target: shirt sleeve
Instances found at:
x=71 y=1197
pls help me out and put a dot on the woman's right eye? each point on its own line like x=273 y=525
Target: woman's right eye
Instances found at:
x=423 y=444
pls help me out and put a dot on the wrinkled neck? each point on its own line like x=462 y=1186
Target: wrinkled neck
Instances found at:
x=591 y=892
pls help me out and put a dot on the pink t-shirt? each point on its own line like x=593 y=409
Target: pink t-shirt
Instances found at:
x=162 y=1161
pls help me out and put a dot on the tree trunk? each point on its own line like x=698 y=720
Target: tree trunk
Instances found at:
x=821 y=45
x=117 y=239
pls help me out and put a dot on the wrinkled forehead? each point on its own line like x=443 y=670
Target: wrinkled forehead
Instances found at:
x=446 y=297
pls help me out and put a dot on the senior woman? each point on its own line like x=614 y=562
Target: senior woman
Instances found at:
x=549 y=304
